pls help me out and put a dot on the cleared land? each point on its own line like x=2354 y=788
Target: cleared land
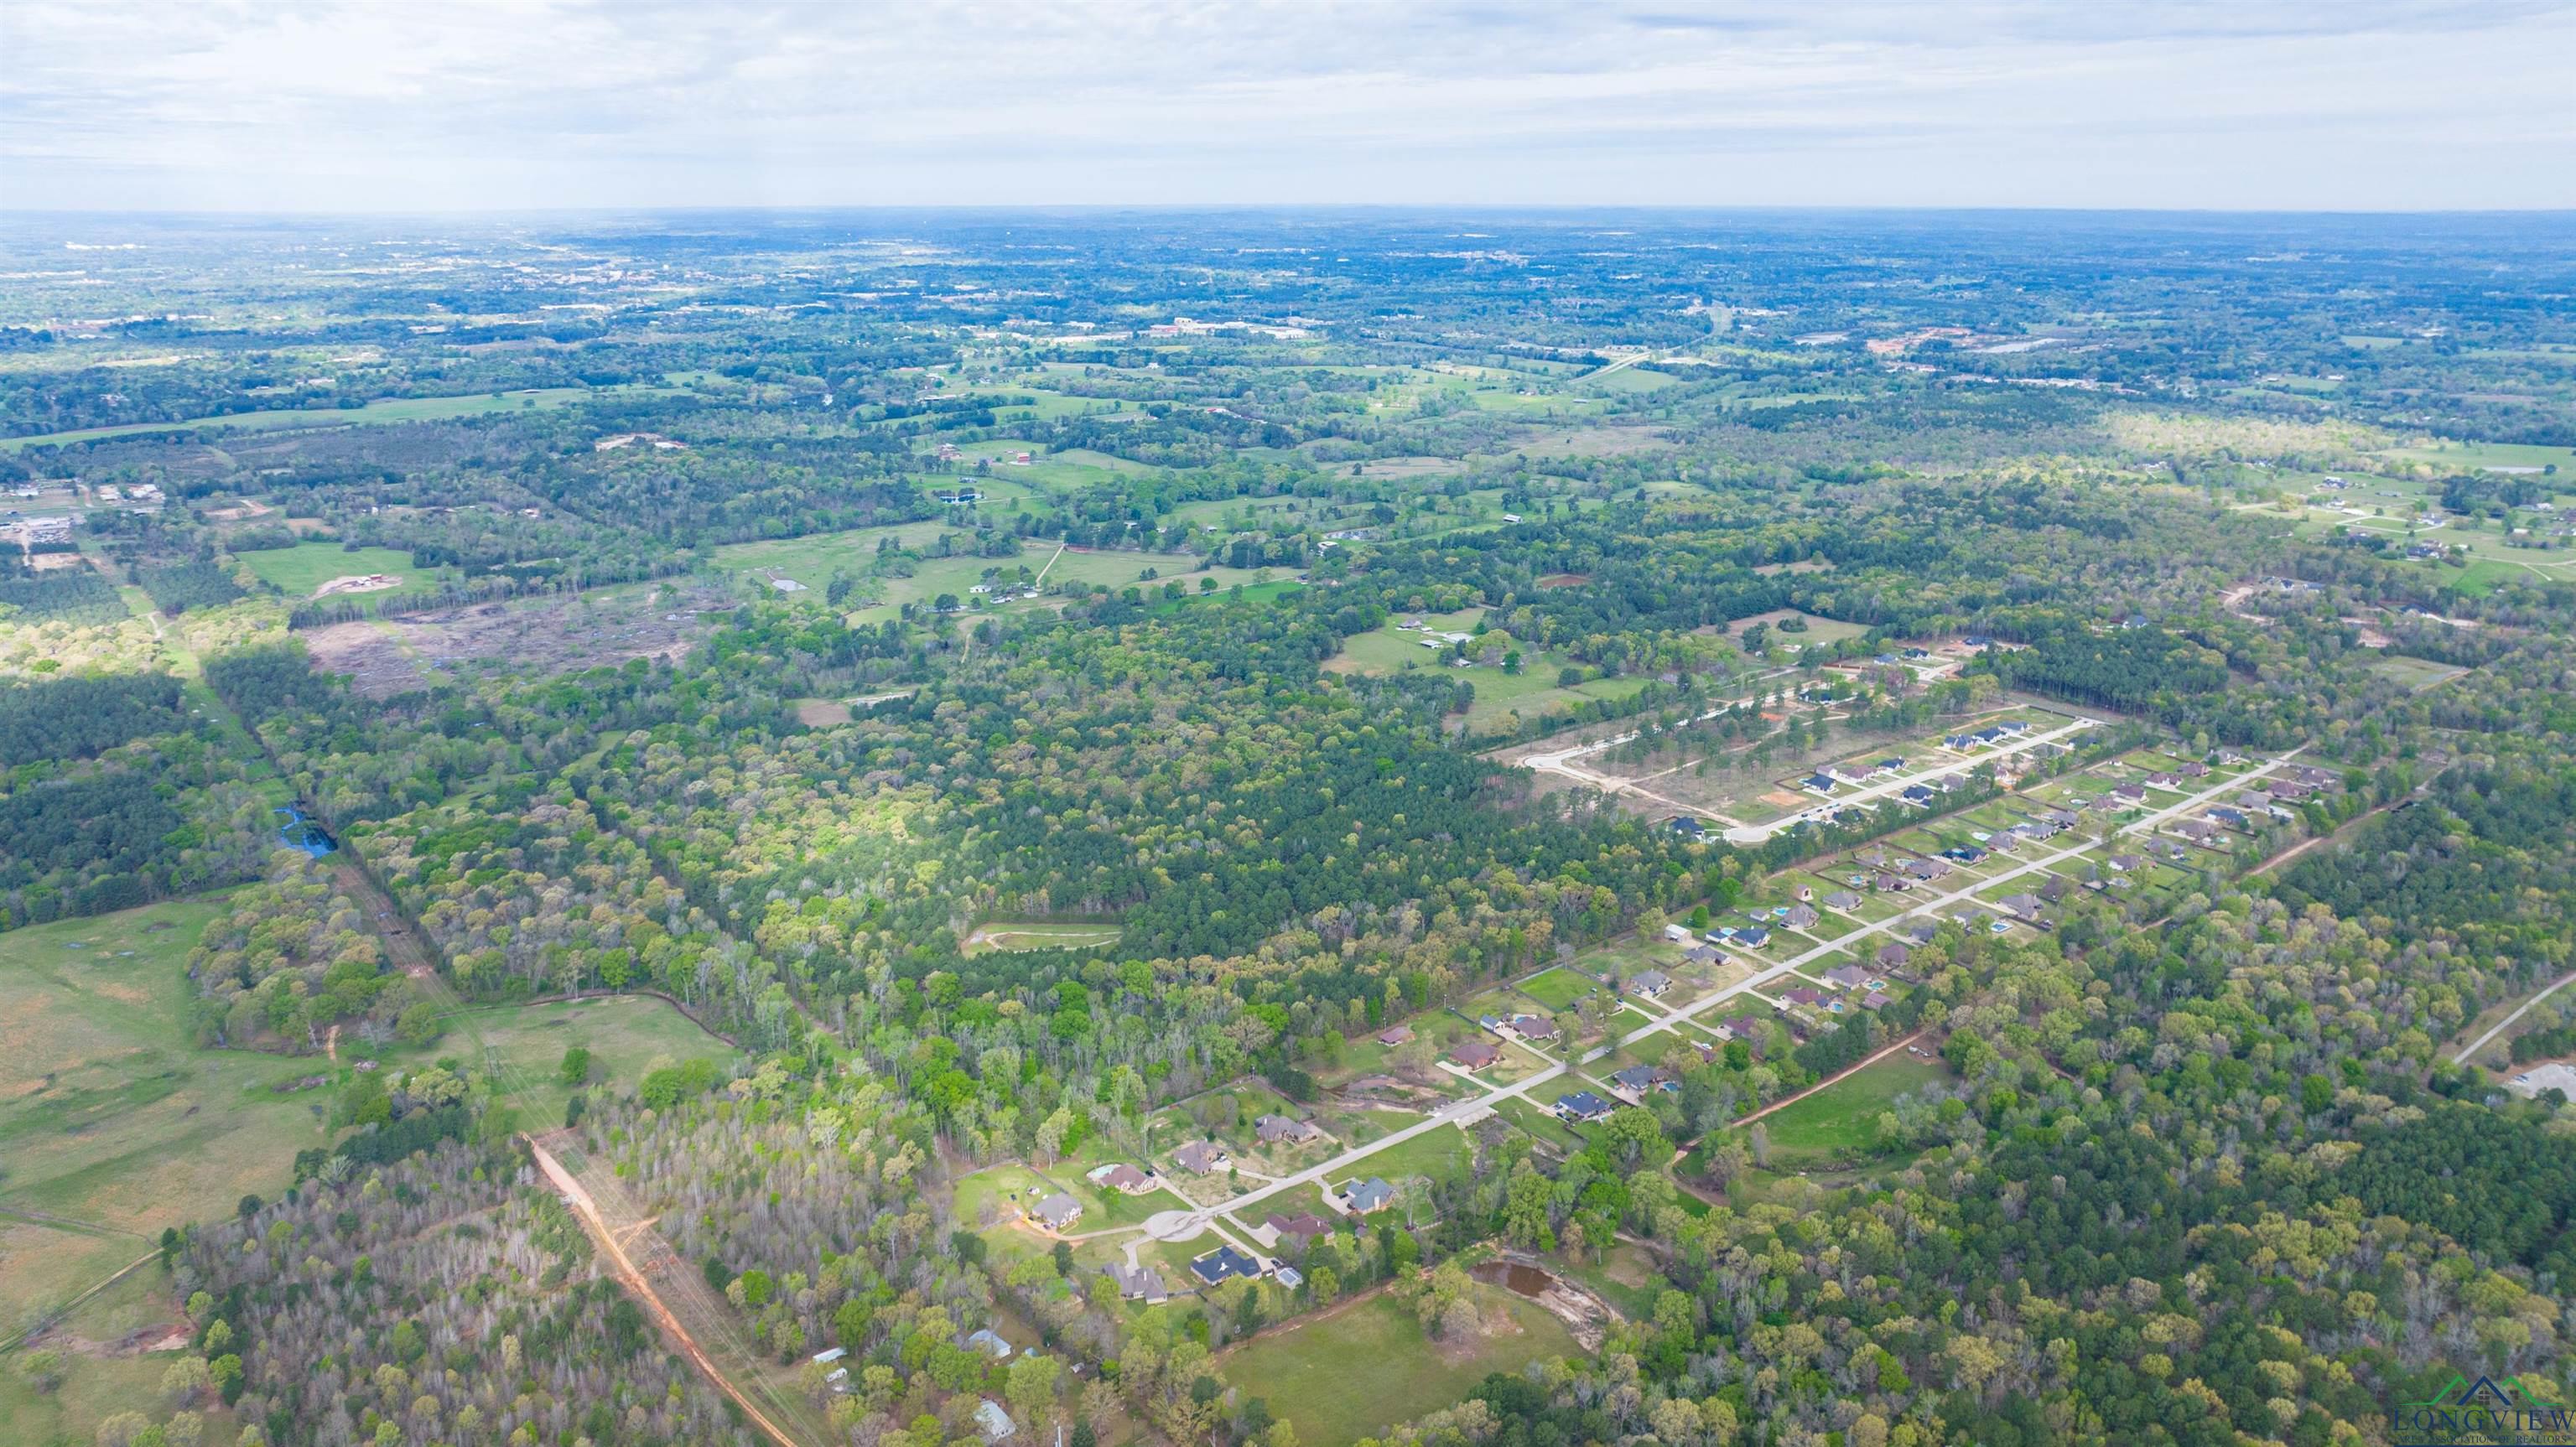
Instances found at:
x=398 y=409
x=1840 y=1122
x=298 y=570
x=1342 y=1375
x=608 y=625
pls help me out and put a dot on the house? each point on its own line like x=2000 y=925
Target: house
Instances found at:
x=1875 y=1000
x=1918 y=796
x=1960 y=743
x=1846 y=977
x=1848 y=773
x=2195 y=830
x=2164 y=781
x=1804 y=996
x=1395 y=1035
x=2130 y=792
x=988 y=1341
x=2314 y=777
x=1887 y=765
x=1281 y=1130
x=2232 y=818
x=2055 y=889
x=1474 y=1054
x=1819 y=784
x=1305 y=1226
x=1702 y=955
x=1751 y=1029
x=1893 y=955
x=1650 y=984
x=1806 y=894
x=1532 y=1027
x=1224 y=1263
x=1842 y=899
x=1122 y=1177
x=1636 y=1080
x=1926 y=869
x=2123 y=863
x=2194 y=770
x=1137 y=1283
x=1687 y=827
x=992 y=1421
x=2021 y=906
x=1883 y=883
x=1057 y=1212
x=2287 y=789
x=1920 y=930
x=1200 y=1157
x=1373 y=1194
x=1950 y=783
x=1582 y=1105
x=1801 y=916
x=1678 y=934
x=1753 y=937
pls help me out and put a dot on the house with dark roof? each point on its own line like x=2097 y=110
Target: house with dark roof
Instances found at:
x=1753 y=937
x=1801 y=916
x=2055 y=889
x=1201 y=1157
x=1751 y=1029
x=2023 y=906
x=1703 y=955
x=1804 y=996
x=1475 y=1054
x=1224 y=1263
x=1636 y=1080
x=1363 y=1197
x=1057 y=1212
x=2123 y=863
x=1582 y=1105
x=1649 y=984
x=1532 y=1027
x=1303 y=1227
x=1395 y=1035
x=1842 y=899
x=1874 y=1000
x=1919 y=930
x=1893 y=955
x=1918 y=796
x=1818 y=783
x=1846 y=977
x=1884 y=883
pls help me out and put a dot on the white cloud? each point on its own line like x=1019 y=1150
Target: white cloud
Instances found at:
x=475 y=104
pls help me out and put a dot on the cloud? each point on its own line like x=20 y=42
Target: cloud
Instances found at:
x=480 y=104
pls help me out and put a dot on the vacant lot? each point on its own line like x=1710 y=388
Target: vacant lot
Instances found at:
x=1038 y=934
x=1342 y=1375
x=519 y=1049
x=1840 y=1122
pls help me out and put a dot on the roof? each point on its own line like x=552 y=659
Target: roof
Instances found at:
x=1583 y=1102
x=992 y=1420
x=1395 y=1035
x=1651 y=981
x=1120 y=1176
x=1846 y=975
x=1199 y=1157
x=1305 y=1225
x=1474 y=1053
x=1225 y=1261
x=1638 y=1077
x=1057 y=1210
x=1367 y=1195
x=1144 y=1281
x=1283 y=1128
x=1894 y=953
x=985 y=1339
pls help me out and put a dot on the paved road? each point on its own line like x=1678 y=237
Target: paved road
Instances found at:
x=1183 y=1225
x=1863 y=793
x=2474 y=1046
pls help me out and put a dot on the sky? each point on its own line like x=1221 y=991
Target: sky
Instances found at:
x=484 y=105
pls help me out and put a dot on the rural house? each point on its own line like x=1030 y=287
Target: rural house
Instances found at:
x=1200 y=1157
x=1282 y=1130
x=1057 y=1212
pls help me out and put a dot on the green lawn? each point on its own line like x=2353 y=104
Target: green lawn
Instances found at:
x=1558 y=988
x=109 y=1116
x=519 y=1049
x=396 y=409
x=1391 y=650
x=1347 y=1374
x=97 y=1386
x=1840 y=1121
x=298 y=570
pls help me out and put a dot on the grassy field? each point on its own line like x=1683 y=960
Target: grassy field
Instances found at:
x=1558 y=988
x=1840 y=1121
x=109 y=1117
x=397 y=409
x=521 y=1047
x=96 y=1385
x=298 y=570
x=1345 y=1374
x=1390 y=650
